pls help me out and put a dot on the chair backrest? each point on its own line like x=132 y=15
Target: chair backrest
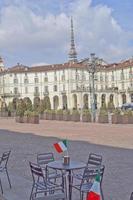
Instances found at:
x=44 y=158
x=5 y=158
x=90 y=173
x=131 y=197
x=94 y=159
x=36 y=172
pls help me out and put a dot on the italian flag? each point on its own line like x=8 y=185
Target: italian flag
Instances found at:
x=94 y=193
x=61 y=146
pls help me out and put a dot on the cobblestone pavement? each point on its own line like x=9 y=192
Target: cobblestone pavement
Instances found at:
x=113 y=142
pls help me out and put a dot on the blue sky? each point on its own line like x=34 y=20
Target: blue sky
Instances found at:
x=38 y=31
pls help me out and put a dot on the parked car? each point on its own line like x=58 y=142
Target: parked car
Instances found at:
x=126 y=106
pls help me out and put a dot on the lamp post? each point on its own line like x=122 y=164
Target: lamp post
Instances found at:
x=91 y=67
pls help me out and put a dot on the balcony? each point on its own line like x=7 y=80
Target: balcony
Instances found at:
x=130 y=90
x=46 y=93
x=122 y=91
x=81 y=89
x=7 y=95
x=36 y=94
x=63 y=92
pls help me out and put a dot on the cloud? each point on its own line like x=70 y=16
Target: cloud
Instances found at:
x=33 y=35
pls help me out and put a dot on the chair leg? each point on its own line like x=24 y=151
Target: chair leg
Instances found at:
x=8 y=178
x=1 y=186
x=102 y=194
x=31 y=192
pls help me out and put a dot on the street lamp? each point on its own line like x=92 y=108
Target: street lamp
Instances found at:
x=91 y=67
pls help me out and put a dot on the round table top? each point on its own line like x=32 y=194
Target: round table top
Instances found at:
x=72 y=165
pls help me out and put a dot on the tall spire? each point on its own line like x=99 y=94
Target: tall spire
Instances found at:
x=1 y=64
x=72 y=51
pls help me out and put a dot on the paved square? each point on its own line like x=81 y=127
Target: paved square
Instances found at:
x=113 y=142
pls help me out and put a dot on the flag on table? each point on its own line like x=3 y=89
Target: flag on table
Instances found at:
x=95 y=193
x=61 y=146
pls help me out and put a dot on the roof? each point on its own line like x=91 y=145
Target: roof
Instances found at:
x=19 y=68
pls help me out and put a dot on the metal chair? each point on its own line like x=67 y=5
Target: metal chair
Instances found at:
x=3 y=167
x=94 y=160
x=43 y=159
x=40 y=183
x=131 y=197
x=87 y=180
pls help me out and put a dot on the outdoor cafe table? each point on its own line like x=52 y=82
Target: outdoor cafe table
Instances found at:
x=73 y=165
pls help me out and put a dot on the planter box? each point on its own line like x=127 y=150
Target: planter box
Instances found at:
x=103 y=119
x=124 y=119
x=26 y=119
x=50 y=116
x=4 y=114
x=116 y=119
x=75 y=118
x=86 y=118
x=19 y=119
x=66 y=117
x=59 y=117
x=130 y=119
x=34 y=120
x=45 y=115
x=41 y=116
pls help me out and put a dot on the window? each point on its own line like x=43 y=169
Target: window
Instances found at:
x=112 y=77
x=46 y=88
x=101 y=77
x=63 y=77
x=123 y=87
x=36 y=90
x=55 y=78
x=130 y=73
x=26 y=90
x=131 y=98
x=36 y=80
x=55 y=88
x=64 y=88
x=15 y=80
x=45 y=79
x=15 y=90
x=26 y=80
x=122 y=75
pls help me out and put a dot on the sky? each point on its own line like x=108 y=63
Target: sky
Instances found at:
x=37 y=32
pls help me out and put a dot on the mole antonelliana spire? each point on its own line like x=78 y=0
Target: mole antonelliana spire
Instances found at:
x=2 y=67
x=72 y=52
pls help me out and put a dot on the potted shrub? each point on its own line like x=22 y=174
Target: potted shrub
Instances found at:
x=111 y=106
x=75 y=116
x=21 y=107
x=59 y=114
x=130 y=117
x=11 y=111
x=86 y=116
x=66 y=115
x=34 y=117
x=41 y=109
x=27 y=115
x=51 y=114
x=116 y=117
x=46 y=115
x=103 y=116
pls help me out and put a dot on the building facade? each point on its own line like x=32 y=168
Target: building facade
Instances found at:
x=68 y=85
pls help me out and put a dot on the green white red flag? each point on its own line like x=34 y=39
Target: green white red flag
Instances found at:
x=95 y=193
x=61 y=146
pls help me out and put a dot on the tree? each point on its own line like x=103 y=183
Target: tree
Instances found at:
x=36 y=104
x=28 y=103
x=47 y=104
x=21 y=107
